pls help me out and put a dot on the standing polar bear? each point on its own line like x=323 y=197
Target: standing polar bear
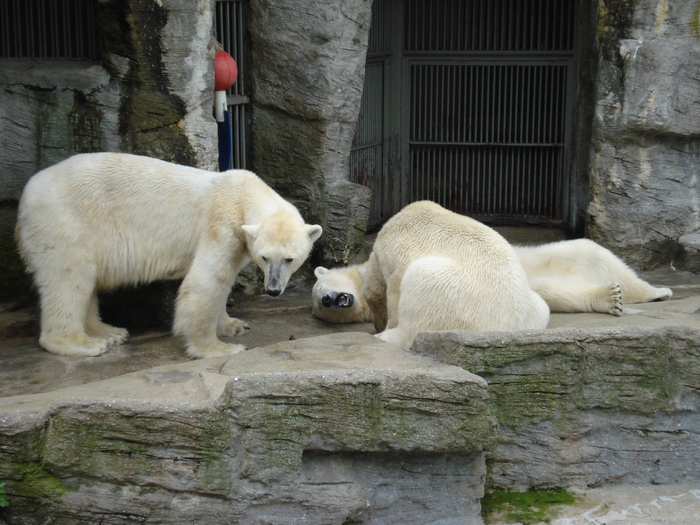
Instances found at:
x=432 y=269
x=101 y=220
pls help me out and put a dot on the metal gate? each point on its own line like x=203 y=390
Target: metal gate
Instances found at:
x=479 y=117
x=231 y=32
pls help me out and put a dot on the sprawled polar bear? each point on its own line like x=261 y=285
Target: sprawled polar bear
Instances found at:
x=571 y=276
x=432 y=269
x=582 y=276
x=101 y=220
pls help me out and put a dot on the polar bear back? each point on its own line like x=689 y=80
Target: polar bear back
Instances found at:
x=455 y=273
x=427 y=229
x=135 y=218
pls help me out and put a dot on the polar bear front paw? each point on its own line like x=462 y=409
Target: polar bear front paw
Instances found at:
x=615 y=299
x=112 y=334
x=74 y=345
x=230 y=326
x=395 y=337
x=217 y=349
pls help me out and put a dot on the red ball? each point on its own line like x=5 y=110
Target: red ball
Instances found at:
x=225 y=71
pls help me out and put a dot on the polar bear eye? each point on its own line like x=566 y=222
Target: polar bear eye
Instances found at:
x=264 y=259
x=289 y=260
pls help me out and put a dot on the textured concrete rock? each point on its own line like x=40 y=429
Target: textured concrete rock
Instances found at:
x=310 y=67
x=337 y=429
x=50 y=112
x=690 y=256
x=151 y=94
x=582 y=408
x=644 y=189
x=161 y=55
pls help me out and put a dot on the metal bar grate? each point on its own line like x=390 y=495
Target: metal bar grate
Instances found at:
x=48 y=29
x=505 y=104
x=489 y=140
x=380 y=33
x=476 y=108
x=367 y=153
x=494 y=25
x=230 y=22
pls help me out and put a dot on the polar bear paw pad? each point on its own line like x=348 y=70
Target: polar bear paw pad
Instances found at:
x=616 y=299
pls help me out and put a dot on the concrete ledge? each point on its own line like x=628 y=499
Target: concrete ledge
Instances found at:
x=322 y=430
x=585 y=408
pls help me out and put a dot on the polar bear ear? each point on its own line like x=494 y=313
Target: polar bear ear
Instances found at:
x=251 y=231
x=314 y=232
x=320 y=271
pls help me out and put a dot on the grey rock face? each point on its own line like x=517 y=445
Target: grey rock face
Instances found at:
x=152 y=94
x=587 y=408
x=644 y=192
x=309 y=70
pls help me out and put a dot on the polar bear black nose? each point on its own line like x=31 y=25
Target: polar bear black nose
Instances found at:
x=273 y=293
x=327 y=301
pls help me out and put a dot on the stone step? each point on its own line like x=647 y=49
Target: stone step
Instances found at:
x=332 y=429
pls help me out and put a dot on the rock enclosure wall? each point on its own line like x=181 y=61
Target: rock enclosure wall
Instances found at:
x=308 y=73
x=646 y=159
x=336 y=429
x=151 y=93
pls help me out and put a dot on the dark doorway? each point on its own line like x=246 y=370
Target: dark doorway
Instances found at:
x=473 y=104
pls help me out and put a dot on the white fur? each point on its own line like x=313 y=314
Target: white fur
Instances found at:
x=347 y=281
x=582 y=276
x=432 y=269
x=100 y=220
x=571 y=276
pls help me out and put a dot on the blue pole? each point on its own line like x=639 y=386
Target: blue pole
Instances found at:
x=225 y=143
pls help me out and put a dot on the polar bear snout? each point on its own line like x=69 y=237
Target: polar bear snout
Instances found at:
x=337 y=300
x=276 y=279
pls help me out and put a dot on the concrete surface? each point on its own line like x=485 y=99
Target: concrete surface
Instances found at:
x=628 y=505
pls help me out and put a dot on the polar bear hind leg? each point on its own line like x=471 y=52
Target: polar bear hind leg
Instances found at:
x=578 y=295
x=66 y=295
x=635 y=290
x=603 y=262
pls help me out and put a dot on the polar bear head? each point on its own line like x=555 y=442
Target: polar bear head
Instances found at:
x=337 y=296
x=279 y=245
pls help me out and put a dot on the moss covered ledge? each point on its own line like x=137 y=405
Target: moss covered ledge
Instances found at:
x=586 y=407
x=332 y=429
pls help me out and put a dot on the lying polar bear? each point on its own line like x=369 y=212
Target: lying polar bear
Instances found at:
x=102 y=220
x=582 y=276
x=571 y=276
x=432 y=269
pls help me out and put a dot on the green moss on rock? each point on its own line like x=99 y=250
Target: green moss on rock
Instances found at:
x=526 y=508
